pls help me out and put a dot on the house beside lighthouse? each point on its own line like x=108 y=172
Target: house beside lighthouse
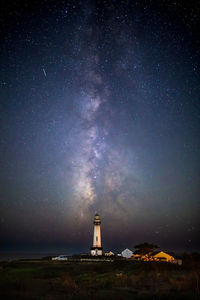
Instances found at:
x=96 y=249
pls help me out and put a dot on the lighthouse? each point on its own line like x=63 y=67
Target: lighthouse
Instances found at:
x=96 y=249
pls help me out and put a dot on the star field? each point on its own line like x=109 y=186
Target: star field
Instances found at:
x=100 y=112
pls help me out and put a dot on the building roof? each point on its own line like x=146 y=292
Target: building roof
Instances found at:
x=162 y=254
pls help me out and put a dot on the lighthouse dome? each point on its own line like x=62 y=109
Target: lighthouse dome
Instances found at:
x=97 y=219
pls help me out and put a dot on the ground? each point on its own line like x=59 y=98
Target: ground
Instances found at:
x=46 y=279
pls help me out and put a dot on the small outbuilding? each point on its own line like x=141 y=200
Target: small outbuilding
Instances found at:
x=109 y=253
x=162 y=256
x=127 y=253
x=61 y=257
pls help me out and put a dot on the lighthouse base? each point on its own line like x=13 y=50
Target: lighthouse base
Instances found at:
x=96 y=251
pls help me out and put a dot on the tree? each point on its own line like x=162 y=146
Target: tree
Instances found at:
x=145 y=248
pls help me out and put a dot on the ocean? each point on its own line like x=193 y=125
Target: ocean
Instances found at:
x=11 y=256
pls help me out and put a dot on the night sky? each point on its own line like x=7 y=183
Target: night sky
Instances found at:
x=100 y=112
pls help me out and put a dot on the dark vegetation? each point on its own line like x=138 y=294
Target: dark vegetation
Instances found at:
x=45 y=279
x=145 y=248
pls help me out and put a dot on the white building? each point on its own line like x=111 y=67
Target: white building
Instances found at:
x=60 y=257
x=96 y=249
x=127 y=253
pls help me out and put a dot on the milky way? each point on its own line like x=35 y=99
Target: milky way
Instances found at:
x=99 y=167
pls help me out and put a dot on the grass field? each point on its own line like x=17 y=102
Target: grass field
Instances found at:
x=43 y=279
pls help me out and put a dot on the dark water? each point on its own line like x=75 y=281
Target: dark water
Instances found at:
x=16 y=256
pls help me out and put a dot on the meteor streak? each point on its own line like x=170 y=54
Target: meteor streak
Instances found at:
x=45 y=74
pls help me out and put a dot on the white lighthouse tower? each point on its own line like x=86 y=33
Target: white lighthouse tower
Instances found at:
x=96 y=249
